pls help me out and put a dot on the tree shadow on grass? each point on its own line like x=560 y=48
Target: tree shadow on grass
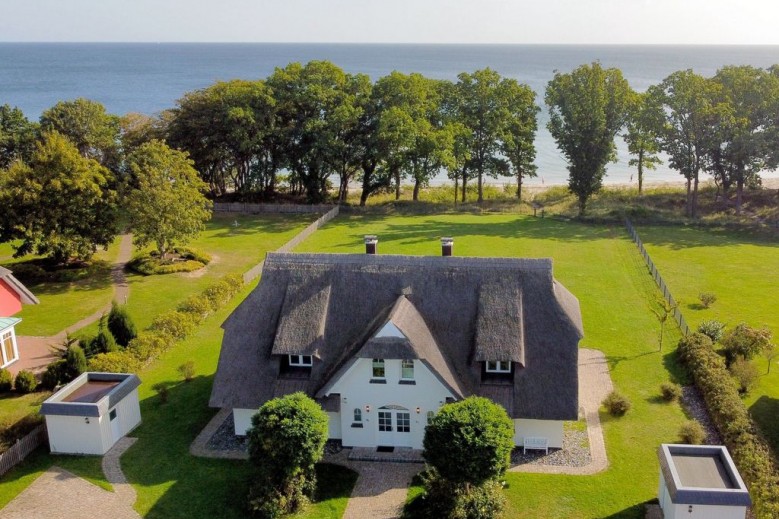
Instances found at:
x=765 y=412
x=257 y=224
x=637 y=511
x=95 y=276
x=681 y=236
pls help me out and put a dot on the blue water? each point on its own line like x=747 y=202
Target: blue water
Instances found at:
x=150 y=77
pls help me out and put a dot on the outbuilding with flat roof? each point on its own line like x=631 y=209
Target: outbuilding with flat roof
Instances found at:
x=91 y=413
x=700 y=481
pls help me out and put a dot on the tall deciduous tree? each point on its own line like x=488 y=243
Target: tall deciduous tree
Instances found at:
x=749 y=95
x=685 y=101
x=519 y=132
x=168 y=207
x=587 y=107
x=86 y=123
x=17 y=136
x=59 y=205
x=641 y=135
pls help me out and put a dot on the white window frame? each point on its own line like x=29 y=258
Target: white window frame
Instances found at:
x=402 y=368
x=357 y=415
x=498 y=366
x=9 y=335
x=376 y=363
x=301 y=361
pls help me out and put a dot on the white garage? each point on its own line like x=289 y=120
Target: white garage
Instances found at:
x=700 y=481
x=91 y=413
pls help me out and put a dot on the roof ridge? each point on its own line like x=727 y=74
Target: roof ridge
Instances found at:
x=407 y=260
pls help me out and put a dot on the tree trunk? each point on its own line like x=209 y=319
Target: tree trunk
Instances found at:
x=456 y=186
x=688 y=204
x=640 y=171
x=739 y=194
x=397 y=185
x=481 y=193
x=465 y=184
x=695 y=197
x=519 y=187
x=582 y=206
x=415 y=197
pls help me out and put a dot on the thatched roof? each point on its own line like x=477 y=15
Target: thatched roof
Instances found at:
x=452 y=312
x=25 y=295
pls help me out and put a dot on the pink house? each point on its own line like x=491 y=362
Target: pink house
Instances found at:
x=12 y=295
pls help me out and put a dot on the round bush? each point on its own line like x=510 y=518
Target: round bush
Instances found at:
x=670 y=392
x=692 y=432
x=186 y=260
x=616 y=404
x=25 y=382
x=55 y=374
x=712 y=329
x=6 y=380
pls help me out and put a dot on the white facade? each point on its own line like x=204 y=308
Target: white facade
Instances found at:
x=552 y=430
x=673 y=510
x=9 y=350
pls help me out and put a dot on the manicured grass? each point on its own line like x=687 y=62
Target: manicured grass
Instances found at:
x=65 y=303
x=233 y=248
x=14 y=406
x=742 y=272
x=601 y=267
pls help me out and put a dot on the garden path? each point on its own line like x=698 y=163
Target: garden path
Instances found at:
x=36 y=352
x=59 y=494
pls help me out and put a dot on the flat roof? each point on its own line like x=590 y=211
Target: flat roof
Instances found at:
x=702 y=475
x=90 y=394
x=91 y=391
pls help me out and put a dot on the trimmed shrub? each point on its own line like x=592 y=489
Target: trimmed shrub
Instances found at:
x=55 y=374
x=149 y=344
x=445 y=499
x=174 y=323
x=670 y=392
x=219 y=293
x=187 y=370
x=745 y=373
x=712 y=329
x=707 y=299
x=616 y=404
x=198 y=307
x=469 y=442
x=286 y=440
x=121 y=325
x=115 y=362
x=6 y=380
x=25 y=382
x=188 y=260
x=162 y=391
x=692 y=433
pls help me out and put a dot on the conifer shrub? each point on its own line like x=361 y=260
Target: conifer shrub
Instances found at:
x=75 y=361
x=670 y=392
x=55 y=374
x=616 y=403
x=6 y=381
x=121 y=325
x=25 y=382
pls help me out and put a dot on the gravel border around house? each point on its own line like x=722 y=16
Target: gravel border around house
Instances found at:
x=575 y=452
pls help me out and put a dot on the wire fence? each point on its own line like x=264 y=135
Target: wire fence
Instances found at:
x=661 y=284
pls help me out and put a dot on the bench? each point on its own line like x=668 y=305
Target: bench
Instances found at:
x=536 y=443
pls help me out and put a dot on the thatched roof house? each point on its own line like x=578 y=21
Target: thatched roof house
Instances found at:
x=498 y=327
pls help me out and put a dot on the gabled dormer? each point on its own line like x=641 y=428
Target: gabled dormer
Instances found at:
x=500 y=336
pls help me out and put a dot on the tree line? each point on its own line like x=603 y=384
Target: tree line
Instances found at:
x=305 y=124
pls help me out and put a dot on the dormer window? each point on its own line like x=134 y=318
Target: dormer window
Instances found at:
x=301 y=361
x=498 y=366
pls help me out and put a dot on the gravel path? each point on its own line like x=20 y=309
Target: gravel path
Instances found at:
x=59 y=494
x=692 y=402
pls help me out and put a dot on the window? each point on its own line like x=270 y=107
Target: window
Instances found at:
x=378 y=368
x=404 y=422
x=357 y=414
x=301 y=360
x=498 y=366
x=7 y=346
x=112 y=414
x=430 y=415
x=385 y=421
x=407 y=369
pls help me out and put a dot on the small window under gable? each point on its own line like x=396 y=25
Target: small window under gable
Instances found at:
x=378 y=368
x=407 y=369
x=498 y=366
x=390 y=330
x=301 y=361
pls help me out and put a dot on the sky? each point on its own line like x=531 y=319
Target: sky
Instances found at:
x=394 y=21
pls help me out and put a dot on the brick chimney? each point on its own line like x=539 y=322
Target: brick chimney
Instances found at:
x=446 y=246
x=371 y=241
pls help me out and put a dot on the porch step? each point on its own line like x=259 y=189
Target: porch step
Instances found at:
x=398 y=455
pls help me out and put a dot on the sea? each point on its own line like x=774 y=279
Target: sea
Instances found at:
x=150 y=77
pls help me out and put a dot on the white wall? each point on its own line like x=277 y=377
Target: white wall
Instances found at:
x=552 y=430
x=242 y=420
x=682 y=511
x=72 y=435
x=128 y=412
x=357 y=392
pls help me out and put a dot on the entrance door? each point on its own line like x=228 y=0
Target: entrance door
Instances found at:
x=394 y=424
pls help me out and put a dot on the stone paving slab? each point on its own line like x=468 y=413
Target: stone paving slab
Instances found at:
x=399 y=455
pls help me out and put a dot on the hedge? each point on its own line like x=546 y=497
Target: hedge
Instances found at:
x=167 y=329
x=749 y=450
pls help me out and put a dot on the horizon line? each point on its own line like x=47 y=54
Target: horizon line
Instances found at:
x=612 y=44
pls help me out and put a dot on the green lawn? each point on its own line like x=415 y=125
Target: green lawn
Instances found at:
x=601 y=267
x=233 y=248
x=65 y=303
x=742 y=272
